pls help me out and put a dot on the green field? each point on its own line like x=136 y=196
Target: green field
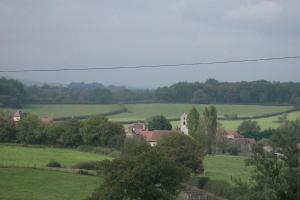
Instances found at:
x=39 y=157
x=22 y=183
x=223 y=167
x=264 y=123
x=18 y=156
x=66 y=110
x=143 y=111
x=34 y=184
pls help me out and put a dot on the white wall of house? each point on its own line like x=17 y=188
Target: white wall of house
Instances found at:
x=183 y=124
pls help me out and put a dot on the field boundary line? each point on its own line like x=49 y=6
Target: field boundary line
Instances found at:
x=65 y=170
x=122 y=109
x=222 y=118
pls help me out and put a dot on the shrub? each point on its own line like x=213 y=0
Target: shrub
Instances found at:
x=220 y=187
x=83 y=172
x=91 y=165
x=53 y=163
x=202 y=182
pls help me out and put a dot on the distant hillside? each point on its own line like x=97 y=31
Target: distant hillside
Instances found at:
x=212 y=91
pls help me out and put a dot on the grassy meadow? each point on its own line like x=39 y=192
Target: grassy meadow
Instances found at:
x=35 y=184
x=18 y=156
x=223 y=167
x=66 y=110
x=264 y=123
x=22 y=183
x=143 y=111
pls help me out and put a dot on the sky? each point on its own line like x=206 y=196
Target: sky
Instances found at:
x=105 y=33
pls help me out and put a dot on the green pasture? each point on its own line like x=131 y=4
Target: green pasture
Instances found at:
x=34 y=184
x=264 y=123
x=225 y=167
x=143 y=111
x=66 y=110
x=21 y=183
x=19 y=156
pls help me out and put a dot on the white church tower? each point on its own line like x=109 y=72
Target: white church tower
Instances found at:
x=183 y=124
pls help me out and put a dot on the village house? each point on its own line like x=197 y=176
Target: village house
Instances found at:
x=135 y=129
x=17 y=116
x=244 y=144
x=139 y=130
x=152 y=137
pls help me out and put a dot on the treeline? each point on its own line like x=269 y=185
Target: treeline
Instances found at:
x=96 y=131
x=14 y=94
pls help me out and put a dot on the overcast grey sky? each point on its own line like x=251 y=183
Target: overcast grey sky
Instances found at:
x=78 y=33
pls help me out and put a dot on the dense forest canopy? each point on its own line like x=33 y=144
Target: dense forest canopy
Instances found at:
x=14 y=93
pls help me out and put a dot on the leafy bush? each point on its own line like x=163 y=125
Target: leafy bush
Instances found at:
x=220 y=187
x=203 y=181
x=158 y=122
x=54 y=163
x=83 y=172
x=91 y=165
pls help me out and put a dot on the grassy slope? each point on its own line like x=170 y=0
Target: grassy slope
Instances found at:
x=216 y=166
x=33 y=184
x=39 y=157
x=224 y=167
x=65 y=110
x=264 y=123
x=26 y=183
x=142 y=111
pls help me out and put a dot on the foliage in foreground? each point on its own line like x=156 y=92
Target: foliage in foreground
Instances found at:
x=184 y=150
x=276 y=175
x=150 y=173
x=148 y=176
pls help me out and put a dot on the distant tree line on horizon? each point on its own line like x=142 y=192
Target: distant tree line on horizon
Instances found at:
x=14 y=94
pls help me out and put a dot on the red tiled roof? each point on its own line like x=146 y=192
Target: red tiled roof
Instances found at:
x=153 y=136
x=233 y=134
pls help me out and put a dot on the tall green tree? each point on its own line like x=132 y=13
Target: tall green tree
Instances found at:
x=12 y=93
x=158 y=122
x=148 y=176
x=209 y=124
x=248 y=126
x=276 y=176
x=7 y=127
x=53 y=133
x=71 y=135
x=99 y=131
x=30 y=129
x=184 y=150
x=193 y=121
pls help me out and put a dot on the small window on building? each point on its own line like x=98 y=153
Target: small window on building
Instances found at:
x=184 y=123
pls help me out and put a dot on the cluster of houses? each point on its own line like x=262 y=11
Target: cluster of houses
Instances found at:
x=139 y=130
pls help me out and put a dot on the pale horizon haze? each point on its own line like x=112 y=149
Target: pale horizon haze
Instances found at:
x=107 y=33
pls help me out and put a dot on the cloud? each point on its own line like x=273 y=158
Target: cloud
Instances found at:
x=263 y=10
